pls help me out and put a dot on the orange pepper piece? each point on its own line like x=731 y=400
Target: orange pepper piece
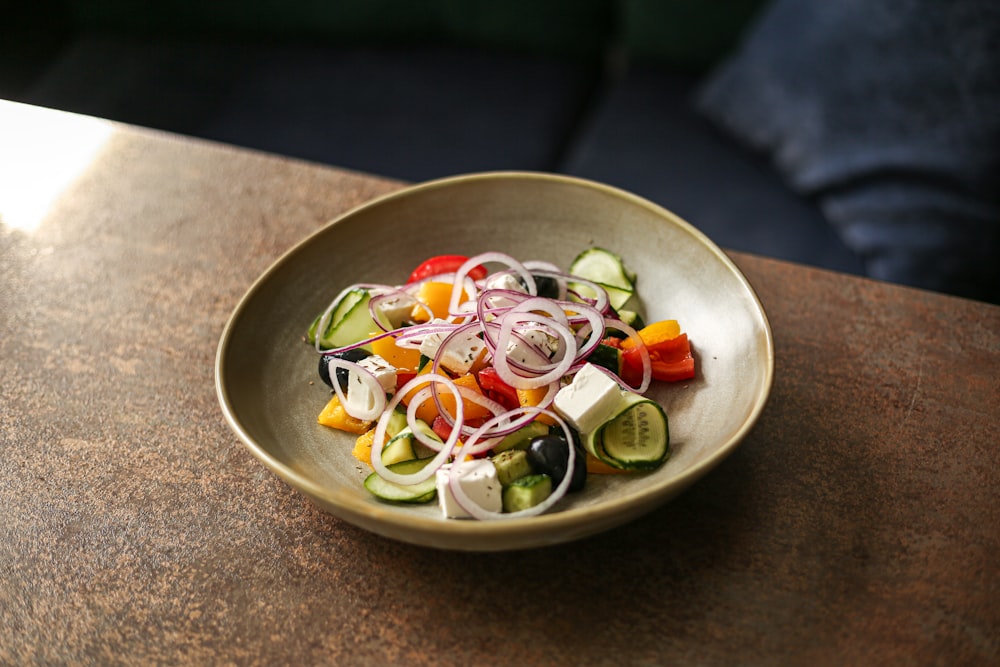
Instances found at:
x=532 y=397
x=655 y=334
x=363 y=446
x=436 y=296
x=428 y=409
x=403 y=358
x=335 y=416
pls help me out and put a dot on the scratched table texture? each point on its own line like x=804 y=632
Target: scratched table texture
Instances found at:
x=857 y=524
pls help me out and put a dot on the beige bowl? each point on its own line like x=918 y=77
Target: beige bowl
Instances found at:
x=266 y=376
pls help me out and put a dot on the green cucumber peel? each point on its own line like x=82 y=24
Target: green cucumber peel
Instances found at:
x=637 y=437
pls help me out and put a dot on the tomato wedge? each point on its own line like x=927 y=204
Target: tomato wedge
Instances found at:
x=497 y=389
x=440 y=264
x=669 y=353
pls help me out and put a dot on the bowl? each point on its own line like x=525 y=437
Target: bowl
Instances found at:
x=266 y=376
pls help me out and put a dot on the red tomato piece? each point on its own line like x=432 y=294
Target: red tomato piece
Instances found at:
x=497 y=389
x=440 y=264
x=402 y=377
x=442 y=428
x=671 y=360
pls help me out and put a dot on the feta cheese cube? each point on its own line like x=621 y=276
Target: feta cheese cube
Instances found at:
x=395 y=310
x=589 y=400
x=460 y=355
x=383 y=371
x=478 y=479
x=529 y=346
x=504 y=281
x=360 y=397
x=507 y=281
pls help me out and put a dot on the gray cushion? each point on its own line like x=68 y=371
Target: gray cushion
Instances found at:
x=888 y=113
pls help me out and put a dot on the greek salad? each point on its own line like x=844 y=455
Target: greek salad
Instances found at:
x=496 y=391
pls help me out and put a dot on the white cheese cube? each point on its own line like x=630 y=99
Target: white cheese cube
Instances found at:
x=531 y=346
x=504 y=281
x=460 y=355
x=478 y=479
x=383 y=371
x=589 y=400
x=360 y=397
x=396 y=310
x=507 y=281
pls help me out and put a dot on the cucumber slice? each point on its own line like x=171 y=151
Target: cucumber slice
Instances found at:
x=423 y=492
x=397 y=422
x=631 y=318
x=425 y=429
x=400 y=448
x=403 y=445
x=604 y=267
x=522 y=437
x=526 y=492
x=617 y=296
x=607 y=270
x=350 y=322
x=511 y=464
x=341 y=309
x=637 y=437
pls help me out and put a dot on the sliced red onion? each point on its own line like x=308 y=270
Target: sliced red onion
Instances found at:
x=473 y=397
x=497 y=298
x=535 y=304
x=369 y=380
x=546 y=373
x=446 y=449
x=482 y=439
x=499 y=258
x=594 y=329
x=386 y=295
x=412 y=337
x=478 y=512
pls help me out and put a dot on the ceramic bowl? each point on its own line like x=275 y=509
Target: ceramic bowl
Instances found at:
x=270 y=394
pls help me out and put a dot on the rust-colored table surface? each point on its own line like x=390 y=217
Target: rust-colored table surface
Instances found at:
x=858 y=523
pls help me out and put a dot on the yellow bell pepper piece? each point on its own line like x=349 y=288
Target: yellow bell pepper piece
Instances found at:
x=335 y=416
x=428 y=409
x=532 y=397
x=470 y=410
x=437 y=297
x=363 y=446
x=404 y=359
x=655 y=333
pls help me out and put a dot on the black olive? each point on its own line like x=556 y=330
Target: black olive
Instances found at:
x=546 y=286
x=354 y=354
x=549 y=454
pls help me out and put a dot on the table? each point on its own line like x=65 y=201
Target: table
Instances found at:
x=857 y=524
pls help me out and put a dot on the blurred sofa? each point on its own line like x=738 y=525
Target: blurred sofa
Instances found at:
x=760 y=123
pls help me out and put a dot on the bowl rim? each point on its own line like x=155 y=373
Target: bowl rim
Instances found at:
x=489 y=535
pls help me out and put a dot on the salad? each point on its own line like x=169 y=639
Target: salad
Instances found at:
x=496 y=392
